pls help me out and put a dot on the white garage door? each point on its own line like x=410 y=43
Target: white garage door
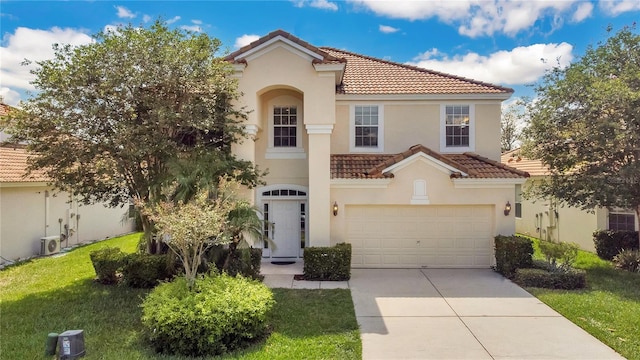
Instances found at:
x=420 y=236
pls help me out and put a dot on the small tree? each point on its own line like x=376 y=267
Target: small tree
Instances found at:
x=190 y=228
x=585 y=126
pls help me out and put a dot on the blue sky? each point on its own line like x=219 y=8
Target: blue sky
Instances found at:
x=498 y=41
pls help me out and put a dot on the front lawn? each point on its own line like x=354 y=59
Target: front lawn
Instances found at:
x=55 y=294
x=609 y=308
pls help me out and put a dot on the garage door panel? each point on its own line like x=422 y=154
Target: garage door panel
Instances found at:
x=420 y=236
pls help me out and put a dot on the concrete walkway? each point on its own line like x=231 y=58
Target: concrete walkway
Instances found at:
x=451 y=314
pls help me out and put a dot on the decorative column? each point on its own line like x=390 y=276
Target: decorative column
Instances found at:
x=319 y=184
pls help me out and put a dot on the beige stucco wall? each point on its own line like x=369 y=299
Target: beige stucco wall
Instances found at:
x=571 y=225
x=408 y=123
x=440 y=190
x=26 y=215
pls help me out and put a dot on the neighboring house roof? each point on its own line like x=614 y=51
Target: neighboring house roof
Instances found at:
x=371 y=166
x=533 y=167
x=13 y=166
x=5 y=109
x=365 y=75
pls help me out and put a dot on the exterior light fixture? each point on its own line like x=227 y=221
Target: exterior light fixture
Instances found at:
x=335 y=208
x=507 y=209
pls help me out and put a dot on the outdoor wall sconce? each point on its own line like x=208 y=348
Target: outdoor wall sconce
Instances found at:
x=335 y=208
x=507 y=209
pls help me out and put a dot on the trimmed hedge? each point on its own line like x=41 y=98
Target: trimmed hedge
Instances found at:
x=609 y=243
x=512 y=252
x=567 y=280
x=219 y=315
x=146 y=270
x=107 y=262
x=328 y=263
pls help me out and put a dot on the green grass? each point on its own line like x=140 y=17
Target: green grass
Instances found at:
x=55 y=294
x=609 y=308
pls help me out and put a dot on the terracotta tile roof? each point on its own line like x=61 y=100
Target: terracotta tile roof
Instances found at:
x=515 y=160
x=368 y=75
x=327 y=58
x=365 y=75
x=13 y=165
x=5 y=109
x=370 y=166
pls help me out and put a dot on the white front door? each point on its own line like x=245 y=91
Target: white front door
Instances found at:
x=285 y=217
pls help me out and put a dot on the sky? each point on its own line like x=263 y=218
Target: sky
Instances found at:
x=504 y=42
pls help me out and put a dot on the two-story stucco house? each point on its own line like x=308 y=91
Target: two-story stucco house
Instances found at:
x=399 y=161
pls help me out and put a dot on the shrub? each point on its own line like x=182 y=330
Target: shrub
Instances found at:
x=512 y=252
x=609 y=243
x=245 y=262
x=560 y=279
x=559 y=255
x=219 y=315
x=328 y=263
x=628 y=260
x=146 y=270
x=107 y=262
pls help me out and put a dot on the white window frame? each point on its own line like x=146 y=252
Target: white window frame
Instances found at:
x=296 y=152
x=443 y=129
x=352 y=130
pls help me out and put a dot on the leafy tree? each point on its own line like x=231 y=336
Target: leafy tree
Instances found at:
x=510 y=122
x=585 y=125
x=111 y=117
x=190 y=228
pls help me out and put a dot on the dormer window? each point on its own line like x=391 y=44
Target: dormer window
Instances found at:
x=457 y=128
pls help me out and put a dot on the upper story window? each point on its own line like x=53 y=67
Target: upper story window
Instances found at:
x=622 y=221
x=285 y=132
x=457 y=128
x=285 y=126
x=367 y=128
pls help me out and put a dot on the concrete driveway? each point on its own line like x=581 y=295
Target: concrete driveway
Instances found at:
x=461 y=314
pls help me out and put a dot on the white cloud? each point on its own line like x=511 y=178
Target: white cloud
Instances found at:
x=34 y=45
x=522 y=65
x=9 y=96
x=197 y=22
x=387 y=29
x=146 y=18
x=616 y=7
x=583 y=11
x=194 y=28
x=318 y=4
x=125 y=13
x=475 y=17
x=110 y=28
x=245 y=39
x=173 y=19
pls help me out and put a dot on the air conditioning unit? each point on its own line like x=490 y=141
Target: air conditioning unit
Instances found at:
x=50 y=245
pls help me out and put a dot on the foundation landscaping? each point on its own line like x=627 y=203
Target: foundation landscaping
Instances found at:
x=238 y=318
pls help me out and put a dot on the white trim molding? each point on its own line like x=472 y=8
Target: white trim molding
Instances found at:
x=487 y=183
x=360 y=183
x=283 y=42
x=443 y=167
x=251 y=129
x=319 y=129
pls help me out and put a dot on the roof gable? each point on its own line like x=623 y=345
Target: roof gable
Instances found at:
x=458 y=166
x=279 y=37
